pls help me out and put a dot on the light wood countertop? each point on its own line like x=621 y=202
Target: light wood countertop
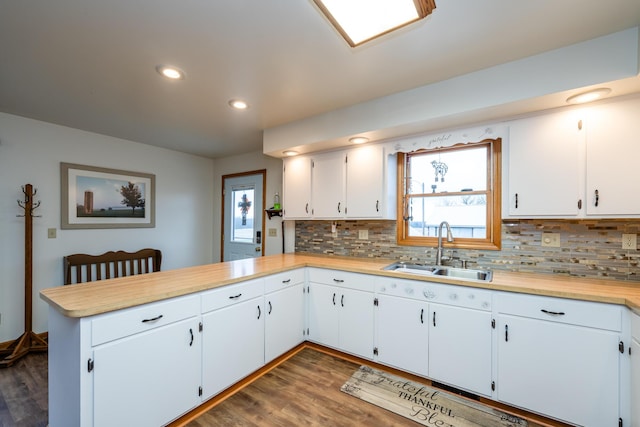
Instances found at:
x=88 y=299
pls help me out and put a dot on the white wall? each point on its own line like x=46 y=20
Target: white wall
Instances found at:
x=31 y=152
x=246 y=163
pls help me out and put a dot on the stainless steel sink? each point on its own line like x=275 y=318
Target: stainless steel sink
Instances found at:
x=437 y=270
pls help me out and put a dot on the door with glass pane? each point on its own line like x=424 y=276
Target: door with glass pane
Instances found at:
x=242 y=216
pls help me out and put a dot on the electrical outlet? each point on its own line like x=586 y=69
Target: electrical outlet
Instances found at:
x=273 y=232
x=363 y=234
x=51 y=233
x=550 y=240
x=630 y=241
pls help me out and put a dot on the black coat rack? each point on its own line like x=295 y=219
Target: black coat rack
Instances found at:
x=29 y=341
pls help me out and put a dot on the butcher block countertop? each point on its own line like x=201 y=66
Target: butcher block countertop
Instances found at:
x=88 y=299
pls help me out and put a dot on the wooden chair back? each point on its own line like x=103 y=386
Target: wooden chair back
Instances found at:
x=80 y=268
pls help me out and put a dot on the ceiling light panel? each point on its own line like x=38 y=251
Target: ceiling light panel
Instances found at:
x=361 y=20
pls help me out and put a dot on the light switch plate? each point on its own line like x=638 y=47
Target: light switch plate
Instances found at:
x=273 y=232
x=363 y=234
x=550 y=240
x=51 y=233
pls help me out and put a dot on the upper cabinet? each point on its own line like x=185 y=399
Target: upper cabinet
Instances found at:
x=577 y=163
x=357 y=183
x=613 y=149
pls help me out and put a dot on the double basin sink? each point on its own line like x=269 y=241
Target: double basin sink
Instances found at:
x=440 y=270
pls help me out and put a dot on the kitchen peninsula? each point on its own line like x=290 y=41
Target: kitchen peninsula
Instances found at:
x=158 y=317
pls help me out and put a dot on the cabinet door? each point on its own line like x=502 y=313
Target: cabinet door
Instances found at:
x=284 y=322
x=323 y=315
x=328 y=185
x=564 y=371
x=232 y=344
x=635 y=370
x=148 y=379
x=296 y=195
x=612 y=159
x=460 y=347
x=356 y=322
x=403 y=334
x=544 y=166
x=365 y=182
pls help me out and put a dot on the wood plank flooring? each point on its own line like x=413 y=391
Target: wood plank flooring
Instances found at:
x=303 y=390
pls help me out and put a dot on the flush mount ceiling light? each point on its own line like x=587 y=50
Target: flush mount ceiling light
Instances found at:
x=358 y=140
x=170 y=72
x=362 y=20
x=238 y=104
x=589 y=96
x=290 y=153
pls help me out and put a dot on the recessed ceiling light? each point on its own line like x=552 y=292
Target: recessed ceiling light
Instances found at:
x=290 y=153
x=238 y=104
x=170 y=72
x=359 y=21
x=358 y=140
x=589 y=96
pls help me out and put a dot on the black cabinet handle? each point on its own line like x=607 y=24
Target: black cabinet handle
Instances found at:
x=516 y=200
x=191 y=332
x=153 y=319
x=597 y=197
x=552 y=313
x=434 y=318
x=306 y=208
x=377 y=205
x=506 y=333
x=286 y=281
x=338 y=207
x=235 y=296
x=342 y=300
x=259 y=312
x=338 y=280
x=334 y=298
x=422 y=316
x=270 y=307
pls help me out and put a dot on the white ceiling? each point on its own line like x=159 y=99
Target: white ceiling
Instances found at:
x=90 y=64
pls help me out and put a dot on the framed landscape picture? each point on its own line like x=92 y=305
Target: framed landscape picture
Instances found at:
x=95 y=197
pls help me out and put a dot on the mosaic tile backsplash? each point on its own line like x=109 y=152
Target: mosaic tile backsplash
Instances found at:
x=588 y=248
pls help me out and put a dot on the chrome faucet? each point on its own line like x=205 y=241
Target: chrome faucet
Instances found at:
x=449 y=239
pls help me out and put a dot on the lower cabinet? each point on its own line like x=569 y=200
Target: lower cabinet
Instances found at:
x=341 y=311
x=232 y=336
x=635 y=369
x=560 y=358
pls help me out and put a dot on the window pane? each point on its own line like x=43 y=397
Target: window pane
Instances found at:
x=242 y=228
x=449 y=171
x=467 y=215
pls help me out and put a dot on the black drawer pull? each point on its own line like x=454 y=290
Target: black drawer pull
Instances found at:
x=338 y=280
x=235 y=296
x=153 y=319
x=553 y=313
x=286 y=281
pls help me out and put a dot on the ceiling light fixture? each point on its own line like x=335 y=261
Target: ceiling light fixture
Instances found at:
x=359 y=21
x=290 y=153
x=170 y=72
x=238 y=104
x=589 y=96
x=358 y=140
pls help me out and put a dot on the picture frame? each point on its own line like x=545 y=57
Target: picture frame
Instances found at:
x=97 y=197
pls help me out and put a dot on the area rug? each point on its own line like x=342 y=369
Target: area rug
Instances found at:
x=423 y=404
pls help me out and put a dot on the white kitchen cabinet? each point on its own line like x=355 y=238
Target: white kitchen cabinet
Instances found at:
x=460 y=347
x=544 y=166
x=232 y=334
x=635 y=369
x=328 y=185
x=560 y=358
x=612 y=153
x=403 y=334
x=136 y=366
x=341 y=311
x=296 y=194
x=284 y=306
x=371 y=183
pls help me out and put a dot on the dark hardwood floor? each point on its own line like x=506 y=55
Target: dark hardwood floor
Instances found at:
x=302 y=390
x=23 y=392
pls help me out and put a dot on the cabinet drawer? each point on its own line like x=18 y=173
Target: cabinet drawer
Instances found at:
x=581 y=313
x=343 y=279
x=110 y=326
x=635 y=326
x=232 y=294
x=283 y=280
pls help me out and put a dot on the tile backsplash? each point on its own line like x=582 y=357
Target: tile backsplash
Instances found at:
x=588 y=248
